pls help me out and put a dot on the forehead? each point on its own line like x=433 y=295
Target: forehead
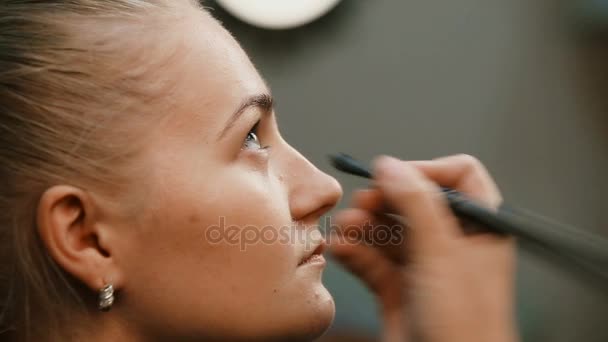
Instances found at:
x=212 y=72
x=217 y=61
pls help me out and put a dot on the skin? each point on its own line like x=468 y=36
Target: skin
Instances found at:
x=203 y=164
x=440 y=284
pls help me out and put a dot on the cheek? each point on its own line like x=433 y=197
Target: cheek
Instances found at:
x=248 y=223
x=221 y=234
x=218 y=246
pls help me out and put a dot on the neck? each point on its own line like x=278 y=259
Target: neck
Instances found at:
x=103 y=327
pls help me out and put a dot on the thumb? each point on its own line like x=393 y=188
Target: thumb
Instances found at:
x=418 y=200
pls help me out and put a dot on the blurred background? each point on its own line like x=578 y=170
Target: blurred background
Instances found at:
x=522 y=85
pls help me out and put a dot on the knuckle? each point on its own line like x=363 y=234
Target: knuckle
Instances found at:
x=415 y=191
x=413 y=182
x=470 y=165
x=469 y=161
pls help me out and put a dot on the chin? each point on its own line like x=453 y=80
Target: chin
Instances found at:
x=320 y=318
x=303 y=320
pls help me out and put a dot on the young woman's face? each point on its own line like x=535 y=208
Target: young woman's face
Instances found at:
x=217 y=251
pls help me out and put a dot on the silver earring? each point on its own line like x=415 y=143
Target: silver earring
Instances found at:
x=106 y=297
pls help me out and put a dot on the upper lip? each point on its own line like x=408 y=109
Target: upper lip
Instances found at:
x=318 y=250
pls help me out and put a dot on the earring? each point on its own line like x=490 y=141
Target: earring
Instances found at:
x=106 y=297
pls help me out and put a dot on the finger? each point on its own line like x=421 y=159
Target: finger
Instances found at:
x=418 y=199
x=376 y=271
x=368 y=199
x=361 y=225
x=380 y=231
x=352 y=224
x=463 y=173
x=371 y=200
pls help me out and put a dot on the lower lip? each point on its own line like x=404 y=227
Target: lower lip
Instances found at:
x=316 y=259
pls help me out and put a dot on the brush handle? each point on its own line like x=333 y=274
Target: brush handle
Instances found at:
x=561 y=238
x=584 y=248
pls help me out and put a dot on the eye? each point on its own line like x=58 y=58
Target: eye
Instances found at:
x=252 y=141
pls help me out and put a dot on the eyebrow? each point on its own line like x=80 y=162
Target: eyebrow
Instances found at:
x=265 y=102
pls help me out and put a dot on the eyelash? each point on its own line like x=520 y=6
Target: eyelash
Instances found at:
x=253 y=132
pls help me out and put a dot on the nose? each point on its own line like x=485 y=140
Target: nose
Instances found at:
x=312 y=192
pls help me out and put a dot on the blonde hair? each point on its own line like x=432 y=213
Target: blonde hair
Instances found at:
x=72 y=80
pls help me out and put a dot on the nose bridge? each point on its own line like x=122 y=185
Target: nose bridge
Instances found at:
x=311 y=191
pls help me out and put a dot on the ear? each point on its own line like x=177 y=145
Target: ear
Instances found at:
x=69 y=227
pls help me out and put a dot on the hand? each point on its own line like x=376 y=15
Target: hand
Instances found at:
x=438 y=283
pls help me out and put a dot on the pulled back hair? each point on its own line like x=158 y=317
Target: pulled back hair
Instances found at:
x=74 y=77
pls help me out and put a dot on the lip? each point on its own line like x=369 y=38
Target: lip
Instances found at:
x=315 y=257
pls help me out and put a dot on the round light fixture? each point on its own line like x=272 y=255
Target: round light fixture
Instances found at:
x=278 y=14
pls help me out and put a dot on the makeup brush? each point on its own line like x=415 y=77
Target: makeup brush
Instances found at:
x=583 y=247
